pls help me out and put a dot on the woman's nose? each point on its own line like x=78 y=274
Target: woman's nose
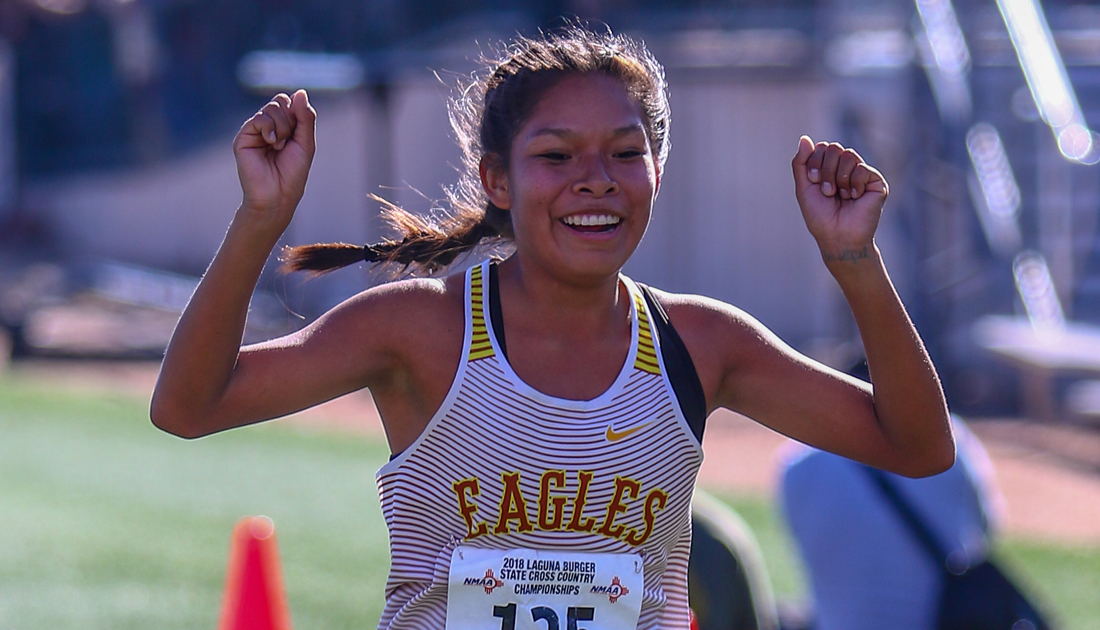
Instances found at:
x=595 y=180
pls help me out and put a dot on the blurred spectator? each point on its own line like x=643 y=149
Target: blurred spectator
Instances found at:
x=866 y=569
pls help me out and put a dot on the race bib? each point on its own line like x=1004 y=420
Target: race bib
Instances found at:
x=529 y=589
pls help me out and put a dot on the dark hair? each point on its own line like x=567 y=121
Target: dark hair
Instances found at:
x=486 y=114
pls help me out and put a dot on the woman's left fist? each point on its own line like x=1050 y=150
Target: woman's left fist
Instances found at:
x=840 y=195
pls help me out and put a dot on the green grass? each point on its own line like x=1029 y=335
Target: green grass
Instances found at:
x=1064 y=579
x=106 y=522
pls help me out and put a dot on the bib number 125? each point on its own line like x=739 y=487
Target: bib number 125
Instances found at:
x=507 y=616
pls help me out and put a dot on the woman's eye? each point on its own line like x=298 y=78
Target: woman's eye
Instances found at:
x=628 y=154
x=554 y=156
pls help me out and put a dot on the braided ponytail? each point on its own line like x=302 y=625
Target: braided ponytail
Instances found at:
x=486 y=115
x=427 y=245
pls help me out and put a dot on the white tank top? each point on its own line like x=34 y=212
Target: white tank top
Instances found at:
x=504 y=466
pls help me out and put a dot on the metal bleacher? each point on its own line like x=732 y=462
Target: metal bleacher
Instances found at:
x=1059 y=213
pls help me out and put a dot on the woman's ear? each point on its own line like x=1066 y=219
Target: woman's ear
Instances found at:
x=494 y=180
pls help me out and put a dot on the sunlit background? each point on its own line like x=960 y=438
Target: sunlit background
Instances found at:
x=117 y=182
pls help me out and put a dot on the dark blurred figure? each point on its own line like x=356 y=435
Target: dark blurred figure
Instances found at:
x=728 y=585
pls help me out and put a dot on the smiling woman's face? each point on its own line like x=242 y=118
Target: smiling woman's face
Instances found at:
x=581 y=180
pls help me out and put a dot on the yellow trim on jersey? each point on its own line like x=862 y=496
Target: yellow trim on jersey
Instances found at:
x=646 y=359
x=480 y=345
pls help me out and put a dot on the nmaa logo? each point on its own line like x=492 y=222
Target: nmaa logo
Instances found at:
x=489 y=582
x=614 y=591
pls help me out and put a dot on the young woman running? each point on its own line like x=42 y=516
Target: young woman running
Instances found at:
x=545 y=413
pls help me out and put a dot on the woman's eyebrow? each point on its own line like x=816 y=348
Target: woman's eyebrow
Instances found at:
x=567 y=134
x=629 y=129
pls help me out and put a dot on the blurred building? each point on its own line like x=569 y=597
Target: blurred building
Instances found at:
x=125 y=111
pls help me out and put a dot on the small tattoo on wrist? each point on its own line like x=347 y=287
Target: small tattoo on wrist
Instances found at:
x=852 y=255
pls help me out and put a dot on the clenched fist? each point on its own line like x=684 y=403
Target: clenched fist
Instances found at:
x=841 y=198
x=274 y=150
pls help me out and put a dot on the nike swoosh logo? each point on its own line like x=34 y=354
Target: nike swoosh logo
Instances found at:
x=615 y=436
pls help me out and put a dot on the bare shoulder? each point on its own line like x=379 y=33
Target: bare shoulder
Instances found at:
x=708 y=320
x=720 y=338
x=390 y=330
x=408 y=296
x=393 y=314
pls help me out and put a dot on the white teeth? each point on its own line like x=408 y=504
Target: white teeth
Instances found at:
x=591 y=219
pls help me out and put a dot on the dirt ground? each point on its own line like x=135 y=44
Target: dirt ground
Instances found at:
x=1049 y=475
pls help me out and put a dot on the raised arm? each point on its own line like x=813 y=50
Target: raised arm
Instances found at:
x=901 y=424
x=274 y=150
x=208 y=382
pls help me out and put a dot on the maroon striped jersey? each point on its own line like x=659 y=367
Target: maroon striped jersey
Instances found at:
x=504 y=466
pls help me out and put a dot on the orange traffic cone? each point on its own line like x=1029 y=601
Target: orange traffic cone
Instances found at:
x=254 y=594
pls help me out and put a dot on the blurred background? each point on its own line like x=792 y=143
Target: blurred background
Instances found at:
x=117 y=183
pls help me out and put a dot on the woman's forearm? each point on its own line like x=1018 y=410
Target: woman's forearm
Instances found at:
x=203 y=350
x=908 y=399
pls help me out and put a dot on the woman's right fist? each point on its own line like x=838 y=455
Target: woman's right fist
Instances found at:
x=274 y=150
